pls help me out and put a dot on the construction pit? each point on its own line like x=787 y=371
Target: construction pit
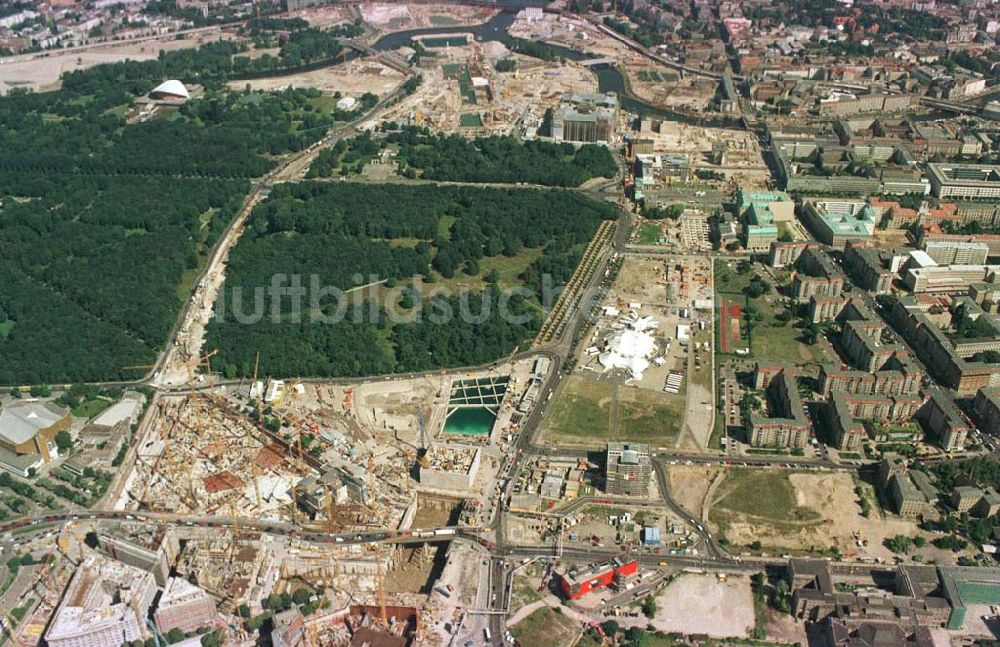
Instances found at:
x=42 y=72
x=622 y=524
x=664 y=87
x=396 y=17
x=349 y=453
x=352 y=583
x=462 y=92
x=743 y=154
x=571 y=32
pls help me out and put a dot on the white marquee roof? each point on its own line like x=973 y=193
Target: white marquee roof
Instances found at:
x=173 y=86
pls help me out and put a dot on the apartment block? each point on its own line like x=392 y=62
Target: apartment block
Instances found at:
x=986 y=408
x=888 y=409
x=862 y=343
x=848 y=433
x=908 y=498
x=897 y=377
x=943 y=421
x=964 y=497
x=948 y=252
x=784 y=254
x=950 y=360
x=825 y=308
x=927 y=234
x=870 y=268
x=787 y=425
x=817 y=275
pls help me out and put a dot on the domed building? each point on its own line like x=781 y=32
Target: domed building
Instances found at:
x=172 y=90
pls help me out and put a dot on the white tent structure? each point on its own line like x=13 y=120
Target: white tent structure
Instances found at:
x=630 y=349
x=172 y=89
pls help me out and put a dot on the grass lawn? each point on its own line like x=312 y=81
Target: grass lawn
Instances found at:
x=509 y=269
x=602 y=511
x=715 y=440
x=764 y=494
x=649 y=417
x=90 y=408
x=773 y=341
x=702 y=376
x=545 y=628
x=186 y=285
x=770 y=339
x=589 y=411
x=649 y=233
x=655 y=640
x=523 y=594
x=5 y=328
x=581 y=413
x=325 y=104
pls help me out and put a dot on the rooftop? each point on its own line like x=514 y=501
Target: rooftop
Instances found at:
x=965 y=174
x=845 y=217
x=21 y=421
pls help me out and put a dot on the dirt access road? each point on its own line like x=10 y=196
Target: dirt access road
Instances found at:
x=183 y=355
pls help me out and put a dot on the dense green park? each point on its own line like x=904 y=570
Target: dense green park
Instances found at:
x=393 y=232
x=500 y=159
x=108 y=216
x=105 y=221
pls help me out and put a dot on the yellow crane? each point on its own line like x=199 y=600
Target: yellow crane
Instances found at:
x=380 y=586
x=260 y=423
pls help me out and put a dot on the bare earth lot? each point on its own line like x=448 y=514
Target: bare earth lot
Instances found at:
x=352 y=78
x=41 y=73
x=701 y=604
x=793 y=512
x=799 y=512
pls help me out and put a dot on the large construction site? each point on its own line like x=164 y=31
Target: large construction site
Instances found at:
x=462 y=91
x=348 y=455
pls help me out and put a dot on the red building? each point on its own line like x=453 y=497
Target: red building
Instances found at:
x=578 y=582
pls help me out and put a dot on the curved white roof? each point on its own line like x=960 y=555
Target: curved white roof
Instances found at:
x=21 y=421
x=174 y=87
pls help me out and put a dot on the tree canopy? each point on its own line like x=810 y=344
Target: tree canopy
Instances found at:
x=105 y=220
x=501 y=159
x=347 y=233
